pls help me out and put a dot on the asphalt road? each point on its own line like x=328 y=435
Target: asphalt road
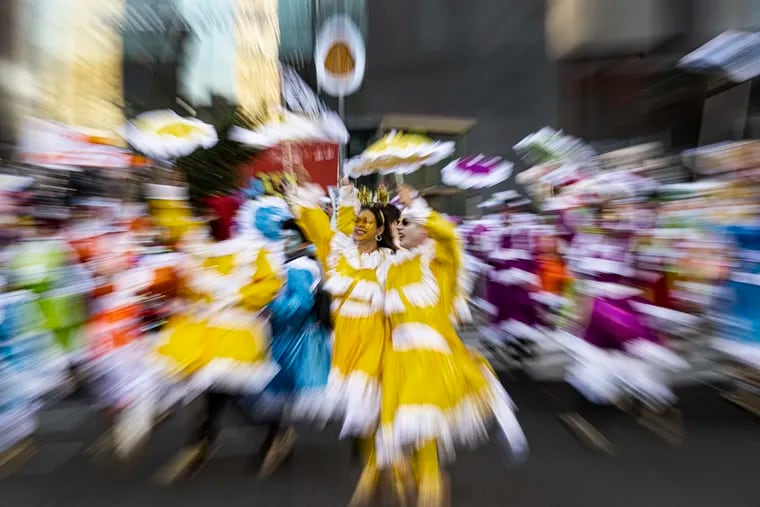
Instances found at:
x=717 y=465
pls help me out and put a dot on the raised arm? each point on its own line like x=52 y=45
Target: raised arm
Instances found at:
x=264 y=285
x=449 y=252
x=439 y=229
x=348 y=204
x=313 y=221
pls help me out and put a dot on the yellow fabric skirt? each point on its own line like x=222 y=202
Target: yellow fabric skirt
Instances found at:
x=353 y=387
x=450 y=397
x=359 y=345
x=231 y=359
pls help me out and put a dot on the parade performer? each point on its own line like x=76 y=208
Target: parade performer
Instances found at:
x=31 y=366
x=619 y=352
x=353 y=265
x=219 y=342
x=300 y=345
x=44 y=263
x=436 y=394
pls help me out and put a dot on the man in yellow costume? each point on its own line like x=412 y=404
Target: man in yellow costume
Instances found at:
x=436 y=394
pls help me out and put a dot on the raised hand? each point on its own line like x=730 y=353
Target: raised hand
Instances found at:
x=406 y=194
x=346 y=183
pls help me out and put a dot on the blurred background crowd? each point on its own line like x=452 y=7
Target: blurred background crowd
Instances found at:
x=599 y=159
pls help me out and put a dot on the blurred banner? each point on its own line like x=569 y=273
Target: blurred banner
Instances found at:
x=74 y=53
x=257 y=31
x=54 y=145
x=319 y=159
x=208 y=66
x=232 y=53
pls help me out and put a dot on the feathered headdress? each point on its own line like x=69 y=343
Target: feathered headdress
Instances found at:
x=262 y=218
x=369 y=198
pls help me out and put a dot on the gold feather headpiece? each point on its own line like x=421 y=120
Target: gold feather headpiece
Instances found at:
x=369 y=198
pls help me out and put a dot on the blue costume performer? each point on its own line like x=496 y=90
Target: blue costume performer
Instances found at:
x=299 y=318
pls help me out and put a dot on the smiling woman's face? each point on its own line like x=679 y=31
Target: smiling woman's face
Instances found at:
x=366 y=226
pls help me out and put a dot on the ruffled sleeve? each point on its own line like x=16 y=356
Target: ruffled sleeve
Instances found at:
x=348 y=208
x=265 y=283
x=449 y=256
x=314 y=222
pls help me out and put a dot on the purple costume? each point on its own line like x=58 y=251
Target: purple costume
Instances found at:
x=613 y=322
x=514 y=267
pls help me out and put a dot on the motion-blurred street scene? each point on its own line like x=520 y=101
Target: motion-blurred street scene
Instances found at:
x=333 y=252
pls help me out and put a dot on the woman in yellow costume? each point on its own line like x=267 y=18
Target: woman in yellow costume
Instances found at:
x=219 y=343
x=352 y=257
x=435 y=393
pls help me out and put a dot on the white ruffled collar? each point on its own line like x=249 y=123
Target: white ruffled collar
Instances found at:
x=426 y=249
x=346 y=247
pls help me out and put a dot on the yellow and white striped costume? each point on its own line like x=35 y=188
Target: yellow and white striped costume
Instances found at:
x=433 y=388
x=219 y=340
x=353 y=279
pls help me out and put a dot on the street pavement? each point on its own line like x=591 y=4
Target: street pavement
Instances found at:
x=717 y=464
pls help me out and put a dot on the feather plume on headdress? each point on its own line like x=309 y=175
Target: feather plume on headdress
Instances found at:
x=382 y=196
x=367 y=198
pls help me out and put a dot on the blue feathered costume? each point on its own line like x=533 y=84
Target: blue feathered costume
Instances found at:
x=299 y=319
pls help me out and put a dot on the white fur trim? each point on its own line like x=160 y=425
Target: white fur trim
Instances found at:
x=246 y=216
x=356 y=399
x=605 y=377
x=166 y=192
x=607 y=289
x=308 y=405
x=344 y=246
x=514 y=276
x=225 y=287
x=418 y=212
x=309 y=265
x=305 y=196
x=337 y=285
x=354 y=309
x=416 y=336
x=364 y=291
x=656 y=355
x=349 y=196
x=368 y=291
x=508 y=254
x=465 y=425
x=422 y=294
x=393 y=302
x=466 y=276
x=226 y=316
x=462 y=313
x=232 y=376
x=605 y=266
